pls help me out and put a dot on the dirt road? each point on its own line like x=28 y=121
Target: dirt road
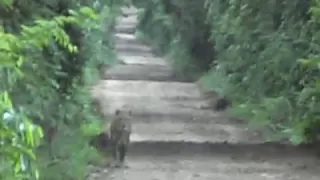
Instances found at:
x=173 y=138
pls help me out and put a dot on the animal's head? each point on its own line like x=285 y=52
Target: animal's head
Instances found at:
x=123 y=113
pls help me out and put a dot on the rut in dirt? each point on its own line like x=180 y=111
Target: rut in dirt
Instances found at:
x=174 y=137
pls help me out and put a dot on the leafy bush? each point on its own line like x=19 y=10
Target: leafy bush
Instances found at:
x=249 y=51
x=177 y=29
x=18 y=138
x=47 y=66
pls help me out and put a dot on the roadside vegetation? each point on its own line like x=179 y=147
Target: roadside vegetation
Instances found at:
x=263 y=55
x=49 y=53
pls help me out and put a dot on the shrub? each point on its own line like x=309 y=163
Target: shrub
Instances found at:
x=47 y=66
x=246 y=50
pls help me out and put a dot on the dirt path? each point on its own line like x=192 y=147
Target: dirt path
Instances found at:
x=173 y=138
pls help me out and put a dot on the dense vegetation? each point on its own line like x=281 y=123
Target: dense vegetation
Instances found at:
x=264 y=55
x=49 y=51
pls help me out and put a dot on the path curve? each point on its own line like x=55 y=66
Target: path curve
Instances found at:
x=174 y=138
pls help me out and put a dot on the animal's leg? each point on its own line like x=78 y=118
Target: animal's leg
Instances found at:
x=113 y=152
x=122 y=152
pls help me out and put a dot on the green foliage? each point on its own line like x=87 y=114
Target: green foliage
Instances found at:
x=18 y=138
x=249 y=51
x=48 y=60
x=258 y=46
x=177 y=29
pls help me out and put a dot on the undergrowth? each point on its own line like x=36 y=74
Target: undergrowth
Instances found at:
x=49 y=55
x=253 y=52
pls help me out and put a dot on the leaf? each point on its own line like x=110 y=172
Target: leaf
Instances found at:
x=20 y=61
x=70 y=47
x=6 y=60
x=4 y=45
x=37 y=175
x=308 y=62
x=88 y=12
x=72 y=12
x=6 y=99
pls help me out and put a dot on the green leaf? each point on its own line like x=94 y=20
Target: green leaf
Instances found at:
x=4 y=45
x=88 y=12
x=6 y=99
x=6 y=60
x=308 y=62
